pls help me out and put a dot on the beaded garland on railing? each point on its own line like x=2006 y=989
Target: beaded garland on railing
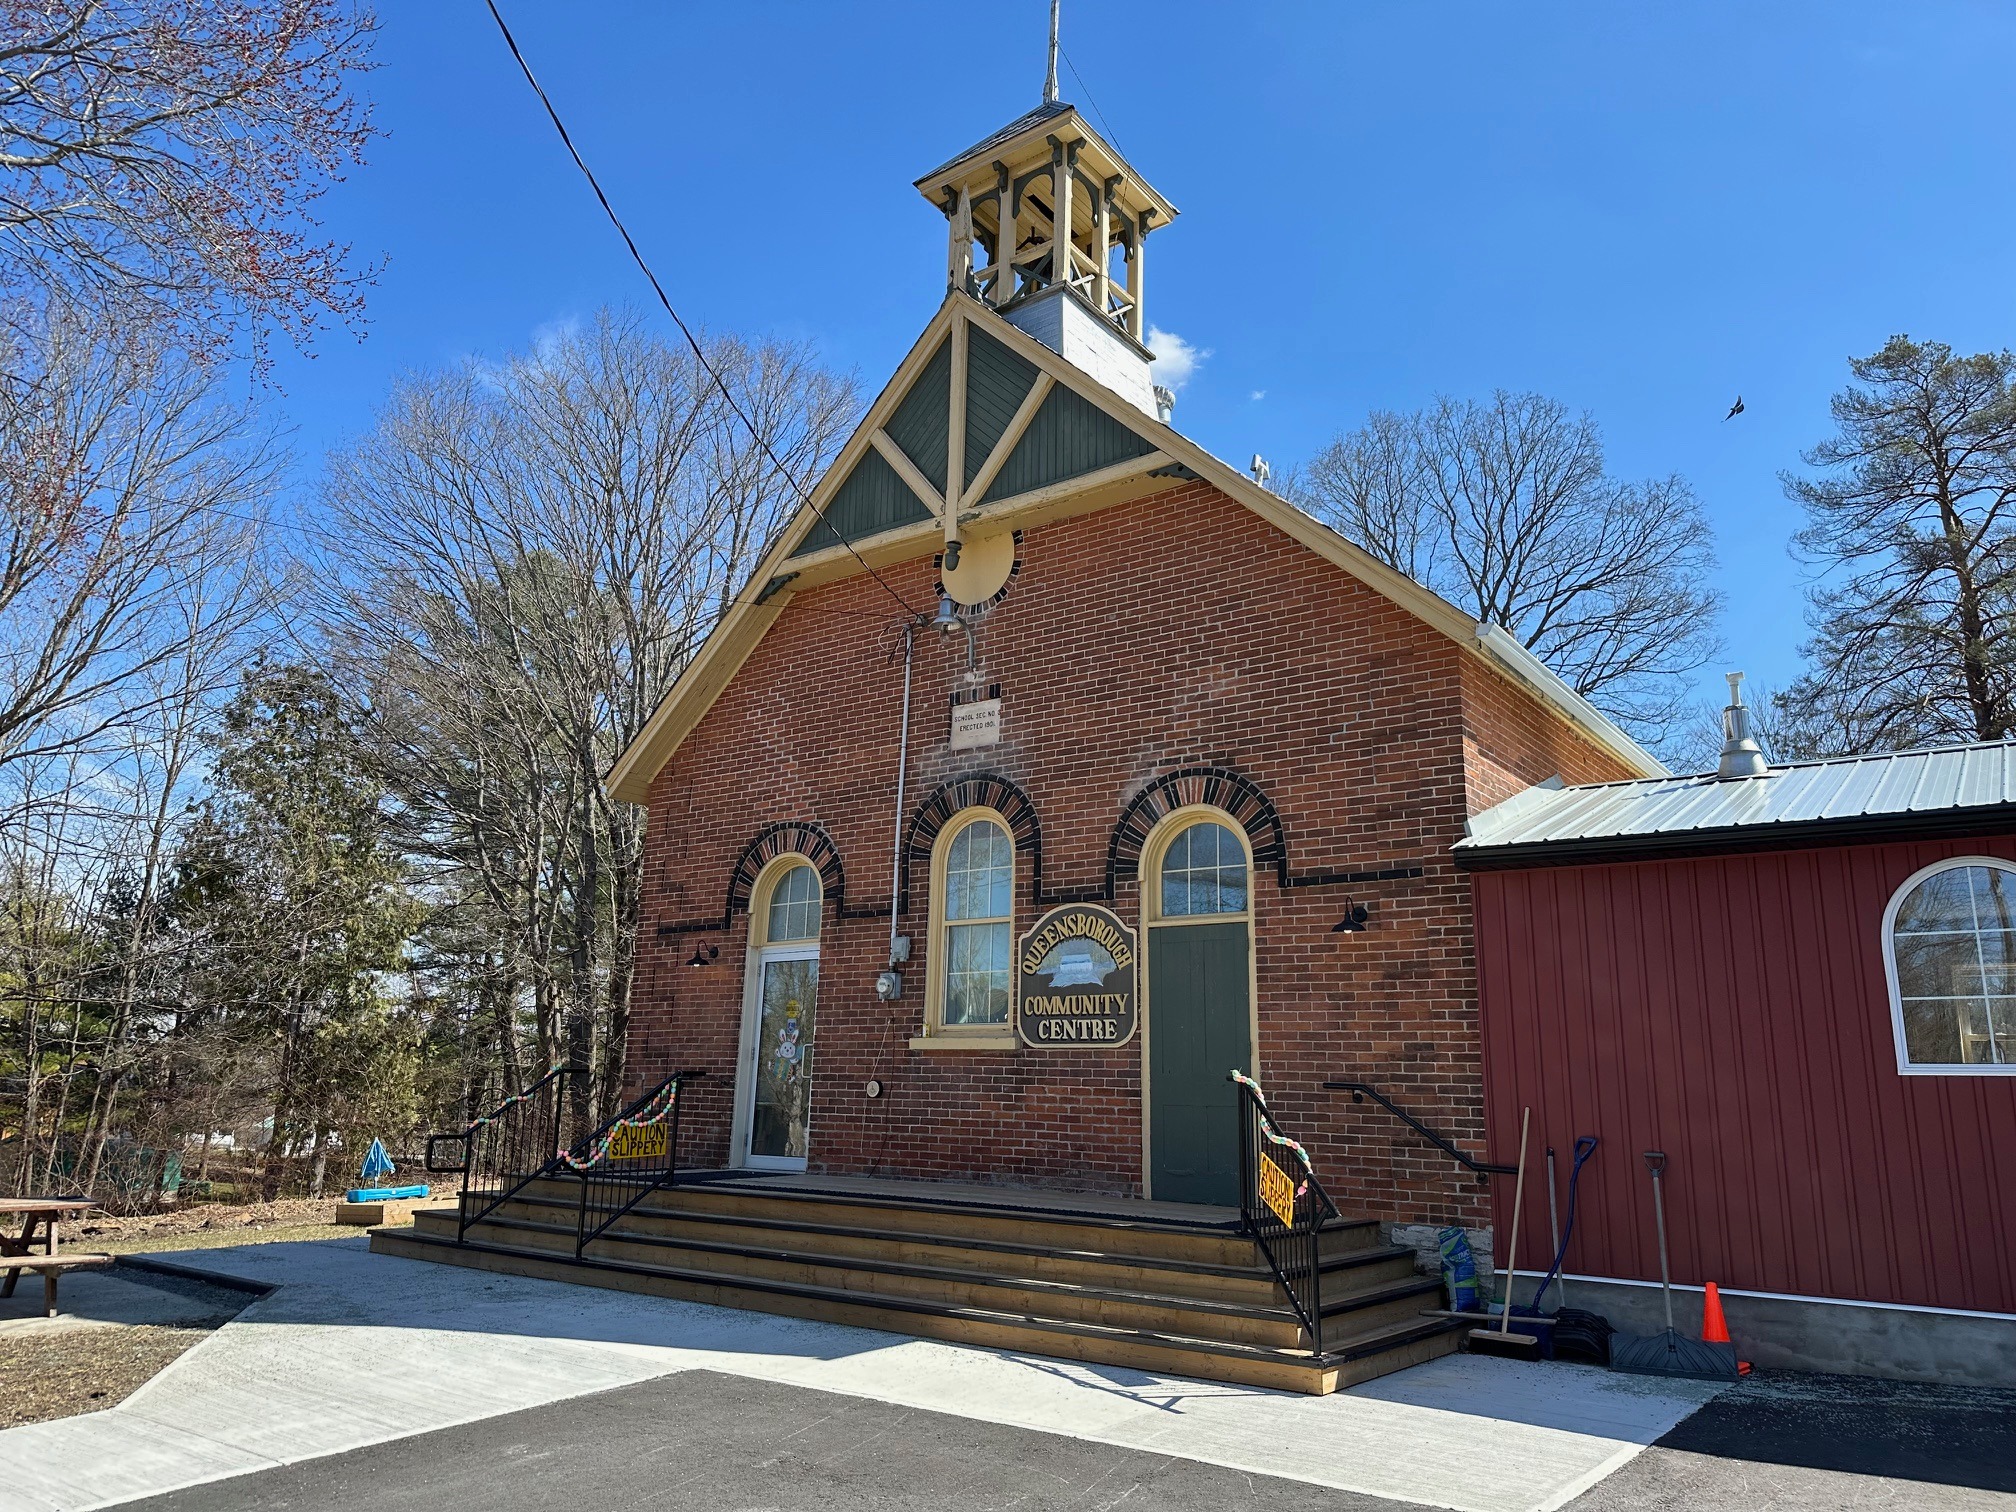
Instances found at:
x=516 y=1097
x=653 y=1112
x=1308 y=1165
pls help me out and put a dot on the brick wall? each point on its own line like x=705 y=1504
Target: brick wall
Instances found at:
x=1174 y=631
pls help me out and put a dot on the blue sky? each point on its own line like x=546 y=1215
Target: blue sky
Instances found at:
x=1640 y=209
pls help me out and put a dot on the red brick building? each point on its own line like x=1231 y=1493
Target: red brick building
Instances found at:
x=1151 y=687
x=1049 y=771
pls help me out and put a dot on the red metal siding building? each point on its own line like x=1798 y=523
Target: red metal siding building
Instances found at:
x=1732 y=1009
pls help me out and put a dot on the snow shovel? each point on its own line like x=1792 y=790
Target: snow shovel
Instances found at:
x=1668 y=1354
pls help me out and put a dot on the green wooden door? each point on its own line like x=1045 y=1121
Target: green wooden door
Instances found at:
x=1199 y=1028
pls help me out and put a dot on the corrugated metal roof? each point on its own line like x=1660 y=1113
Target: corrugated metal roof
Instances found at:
x=1841 y=791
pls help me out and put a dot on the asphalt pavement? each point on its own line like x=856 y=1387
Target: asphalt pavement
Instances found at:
x=728 y=1443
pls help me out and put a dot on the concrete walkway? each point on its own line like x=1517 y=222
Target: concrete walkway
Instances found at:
x=356 y=1349
x=109 y=1299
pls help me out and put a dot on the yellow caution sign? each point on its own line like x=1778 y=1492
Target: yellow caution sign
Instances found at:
x=641 y=1143
x=1277 y=1191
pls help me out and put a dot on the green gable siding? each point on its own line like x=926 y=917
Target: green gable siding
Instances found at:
x=922 y=422
x=997 y=381
x=1070 y=436
x=872 y=500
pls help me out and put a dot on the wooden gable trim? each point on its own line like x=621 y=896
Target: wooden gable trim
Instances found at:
x=769 y=589
x=761 y=601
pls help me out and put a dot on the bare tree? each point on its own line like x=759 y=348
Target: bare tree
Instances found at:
x=161 y=156
x=530 y=552
x=1505 y=509
x=126 y=528
x=1912 y=504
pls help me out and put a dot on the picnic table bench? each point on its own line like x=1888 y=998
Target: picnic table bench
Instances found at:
x=19 y=1253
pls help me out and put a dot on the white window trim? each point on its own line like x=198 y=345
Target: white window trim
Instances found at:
x=1156 y=852
x=772 y=878
x=939 y=1035
x=759 y=950
x=1905 y=1065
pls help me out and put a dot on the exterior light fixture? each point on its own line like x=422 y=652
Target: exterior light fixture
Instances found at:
x=704 y=955
x=1353 y=922
x=948 y=619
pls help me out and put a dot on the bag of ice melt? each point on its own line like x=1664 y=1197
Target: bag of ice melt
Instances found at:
x=1459 y=1269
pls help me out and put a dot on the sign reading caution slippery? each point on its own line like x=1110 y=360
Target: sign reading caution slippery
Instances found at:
x=1077 y=980
x=639 y=1142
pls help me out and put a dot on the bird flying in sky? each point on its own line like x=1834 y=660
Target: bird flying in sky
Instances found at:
x=1735 y=409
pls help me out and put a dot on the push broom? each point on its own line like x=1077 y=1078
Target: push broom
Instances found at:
x=1668 y=1354
x=1501 y=1340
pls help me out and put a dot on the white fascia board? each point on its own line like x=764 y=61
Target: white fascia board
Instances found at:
x=1546 y=682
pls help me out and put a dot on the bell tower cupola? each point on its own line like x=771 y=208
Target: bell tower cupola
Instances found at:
x=1049 y=225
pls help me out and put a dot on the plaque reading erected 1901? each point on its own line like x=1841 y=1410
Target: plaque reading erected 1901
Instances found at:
x=976 y=724
x=1076 y=979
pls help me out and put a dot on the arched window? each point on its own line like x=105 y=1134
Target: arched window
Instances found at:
x=973 y=926
x=780 y=1012
x=1197 y=1019
x=794 y=906
x=1949 y=941
x=1203 y=872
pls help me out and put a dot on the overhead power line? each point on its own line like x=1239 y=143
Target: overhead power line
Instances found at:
x=1111 y=135
x=659 y=289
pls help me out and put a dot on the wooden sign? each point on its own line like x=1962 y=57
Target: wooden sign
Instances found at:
x=1276 y=1190
x=1077 y=980
x=644 y=1142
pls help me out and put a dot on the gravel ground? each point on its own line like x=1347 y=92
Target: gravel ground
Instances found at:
x=56 y=1375
x=128 y=1328
x=211 y=1226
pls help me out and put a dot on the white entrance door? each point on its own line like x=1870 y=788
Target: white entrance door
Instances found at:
x=777 y=1076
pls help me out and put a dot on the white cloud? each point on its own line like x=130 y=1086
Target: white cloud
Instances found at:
x=1175 y=359
x=1257 y=395
x=549 y=339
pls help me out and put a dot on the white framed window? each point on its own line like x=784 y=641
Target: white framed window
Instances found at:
x=972 y=942
x=773 y=1095
x=794 y=906
x=1204 y=872
x=1949 y=952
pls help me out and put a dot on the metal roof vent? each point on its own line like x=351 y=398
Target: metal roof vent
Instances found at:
x=1165 y=403
x=1741 y=755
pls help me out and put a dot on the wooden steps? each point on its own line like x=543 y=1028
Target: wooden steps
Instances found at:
x=1192 y=1298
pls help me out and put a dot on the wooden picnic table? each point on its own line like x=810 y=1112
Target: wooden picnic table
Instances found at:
x=19 y=1253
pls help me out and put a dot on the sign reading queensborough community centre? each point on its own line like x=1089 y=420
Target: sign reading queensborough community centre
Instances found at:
x=1076 y=980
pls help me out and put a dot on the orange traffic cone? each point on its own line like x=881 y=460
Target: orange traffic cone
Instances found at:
x=1714 y=1327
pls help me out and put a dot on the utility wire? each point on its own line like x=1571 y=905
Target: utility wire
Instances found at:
x=659 y=289
x=1111 y=135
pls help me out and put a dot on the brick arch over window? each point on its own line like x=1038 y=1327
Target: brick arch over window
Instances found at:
x=1219 y=787
x=793 y=836
x=981 y=790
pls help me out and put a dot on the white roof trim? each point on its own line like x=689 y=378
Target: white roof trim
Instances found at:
x=1545 y=681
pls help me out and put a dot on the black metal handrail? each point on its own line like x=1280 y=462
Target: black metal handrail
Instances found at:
x=628 y=1158
x=512 y=1145
x=1283 y=1206
x=1483 y=1169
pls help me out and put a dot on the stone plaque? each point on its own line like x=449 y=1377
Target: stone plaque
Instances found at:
x=976 y=724
x=1077 y=980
